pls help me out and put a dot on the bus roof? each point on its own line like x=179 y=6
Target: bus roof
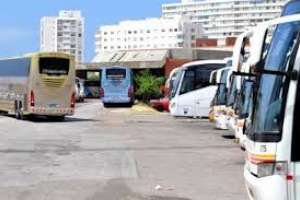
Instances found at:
x=28 y=55
x=203 y=62
x=113 y=67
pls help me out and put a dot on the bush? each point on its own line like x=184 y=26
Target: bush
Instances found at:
x=148 y=86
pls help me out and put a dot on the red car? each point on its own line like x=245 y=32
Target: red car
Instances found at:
x=160 y=104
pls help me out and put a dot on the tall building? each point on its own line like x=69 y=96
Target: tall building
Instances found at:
x=154 y=33
x=64 y=33
x=223 y=18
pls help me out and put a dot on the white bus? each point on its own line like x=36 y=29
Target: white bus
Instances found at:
x=193 y=93
x=38 y=84
x=220 y=106
x=240 y=58
x=220 y=95
x=272 y=169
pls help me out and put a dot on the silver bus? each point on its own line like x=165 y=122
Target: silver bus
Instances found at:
x=38 y=84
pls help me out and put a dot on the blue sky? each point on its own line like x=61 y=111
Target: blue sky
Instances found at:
x=19 y=20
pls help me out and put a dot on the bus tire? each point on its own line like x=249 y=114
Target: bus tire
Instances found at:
x=18 y=110
x=105 y=105
x=130 y=104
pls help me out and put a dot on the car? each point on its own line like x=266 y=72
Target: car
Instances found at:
x=160 y=104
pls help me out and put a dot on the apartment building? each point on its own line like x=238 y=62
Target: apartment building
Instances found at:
x=63 y=33
x=152 y=33
x=225 y=18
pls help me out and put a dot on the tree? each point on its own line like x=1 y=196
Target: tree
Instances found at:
x=148 y=85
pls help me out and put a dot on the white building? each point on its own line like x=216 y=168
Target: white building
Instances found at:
x=223 y=18
x=64 y=33
x=154 y=33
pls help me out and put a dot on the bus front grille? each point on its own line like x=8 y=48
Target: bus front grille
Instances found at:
x=49 y=82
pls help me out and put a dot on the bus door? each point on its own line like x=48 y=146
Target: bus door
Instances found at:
x=206 y=90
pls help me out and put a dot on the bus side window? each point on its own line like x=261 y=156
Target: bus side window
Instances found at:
x=201 y=78
x=188 y=82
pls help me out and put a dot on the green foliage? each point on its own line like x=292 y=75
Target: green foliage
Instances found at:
x=148 y=85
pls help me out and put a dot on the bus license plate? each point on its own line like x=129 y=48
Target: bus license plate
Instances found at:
x=52 y=105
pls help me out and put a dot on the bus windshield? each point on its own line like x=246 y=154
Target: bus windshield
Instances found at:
x=233 y=91
x=197 y=77
x=174 y=83
x=270 y=95
x=116 y=74
x=221 y=94
x=222 y=90
x=54 y=66
x=246 y=98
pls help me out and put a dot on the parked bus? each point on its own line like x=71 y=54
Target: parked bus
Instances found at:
x=240 y=57
x=194 y=93
x=272 y=169
x=220 y=93
x=221 y=101
x=117 y=86
x=38 y=84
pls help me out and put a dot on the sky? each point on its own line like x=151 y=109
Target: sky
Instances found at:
x=20 y=20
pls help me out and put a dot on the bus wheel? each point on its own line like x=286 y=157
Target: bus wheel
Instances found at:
x=106 y=105
x=18 y=110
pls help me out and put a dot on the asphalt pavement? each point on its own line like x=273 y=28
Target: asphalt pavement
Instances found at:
x=118 y=154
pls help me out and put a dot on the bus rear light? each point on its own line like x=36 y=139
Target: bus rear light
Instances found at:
x=270 y=169
x=73 y=100
x=266 y=165
x=130 y=92
x=101 y=92
x=32 y=99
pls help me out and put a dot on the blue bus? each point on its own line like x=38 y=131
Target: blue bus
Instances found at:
x=117 y=86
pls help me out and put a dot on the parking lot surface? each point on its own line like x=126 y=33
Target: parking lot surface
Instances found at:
x=118 y=154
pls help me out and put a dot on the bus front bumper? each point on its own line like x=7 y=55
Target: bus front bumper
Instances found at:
x=271 y=187
x=221 y=122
